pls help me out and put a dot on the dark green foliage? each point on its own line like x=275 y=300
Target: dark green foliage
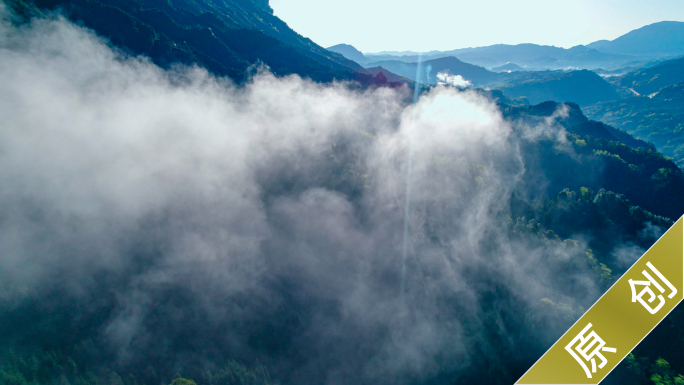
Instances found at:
x=50 y=368
x=640 y=370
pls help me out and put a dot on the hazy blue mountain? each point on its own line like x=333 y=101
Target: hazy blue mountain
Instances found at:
x=430 y=68
x=658 y=119
x=508 y=67
x=648 y=80
x=538 y=56
x=582 y=87
x=224 y=37
x=665 y=38
x=349 y=52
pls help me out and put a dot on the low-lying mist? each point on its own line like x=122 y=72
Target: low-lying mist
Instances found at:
x=171 y=218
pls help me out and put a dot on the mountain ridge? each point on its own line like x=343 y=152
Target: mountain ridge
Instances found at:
x=227 y=38
x=661 y=39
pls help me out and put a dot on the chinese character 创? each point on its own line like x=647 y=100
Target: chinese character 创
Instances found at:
x=589 y=348
x=647 y=289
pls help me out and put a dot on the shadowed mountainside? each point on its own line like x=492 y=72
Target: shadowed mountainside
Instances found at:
x=225 y=37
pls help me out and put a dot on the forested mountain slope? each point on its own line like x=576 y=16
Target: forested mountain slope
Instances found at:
x=650 y=80
x=226 y=37
x=658 y=119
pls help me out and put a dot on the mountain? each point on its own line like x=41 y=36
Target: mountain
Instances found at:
x=618 y=149
x=649 y=80
x=582 y=87
x=662 y=39
x=349 y=52
x=430 y=68
x=391 y=77
x=658 y=119
x=224 y=37
x=508 y=67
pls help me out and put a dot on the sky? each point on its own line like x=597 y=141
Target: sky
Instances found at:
x=402 y=25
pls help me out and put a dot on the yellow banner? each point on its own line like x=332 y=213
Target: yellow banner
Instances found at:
x=619 y=320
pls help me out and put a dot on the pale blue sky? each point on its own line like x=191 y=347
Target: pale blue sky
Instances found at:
x=382 y=25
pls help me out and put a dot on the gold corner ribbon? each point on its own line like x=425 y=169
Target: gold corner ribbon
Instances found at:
x=619 y=320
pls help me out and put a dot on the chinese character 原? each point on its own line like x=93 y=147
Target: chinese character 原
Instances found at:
x=589 y=348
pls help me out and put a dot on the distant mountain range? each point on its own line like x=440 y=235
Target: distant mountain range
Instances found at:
x=582 y=87
x=659 y=40
x=527 y=56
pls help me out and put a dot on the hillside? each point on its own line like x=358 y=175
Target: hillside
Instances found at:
x=639 y=182
x=225 y=37
x=649 y=80
x=661 y=39
x=658 y=119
